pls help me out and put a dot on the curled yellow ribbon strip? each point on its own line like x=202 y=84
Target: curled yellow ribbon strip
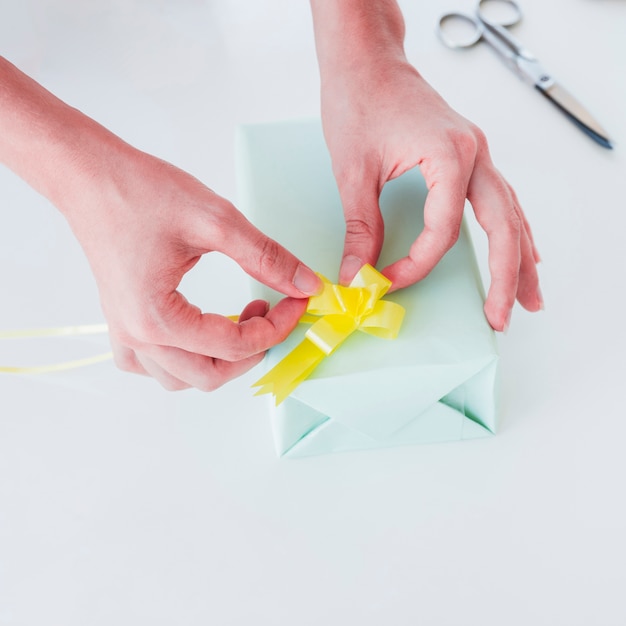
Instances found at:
x=88 y=329
x=62 y=331
x=341 y=311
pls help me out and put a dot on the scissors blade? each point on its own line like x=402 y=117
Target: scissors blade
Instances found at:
x=576 y=112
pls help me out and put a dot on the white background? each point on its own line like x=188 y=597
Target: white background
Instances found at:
x=121 y=503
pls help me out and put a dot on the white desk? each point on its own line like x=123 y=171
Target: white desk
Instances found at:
x=121 y=503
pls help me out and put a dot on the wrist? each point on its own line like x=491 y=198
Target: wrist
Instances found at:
x=357 y=35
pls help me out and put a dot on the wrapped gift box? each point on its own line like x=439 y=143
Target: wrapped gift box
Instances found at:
x=436 y=381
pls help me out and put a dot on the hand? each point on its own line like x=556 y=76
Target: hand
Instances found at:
x=382 y=119
x=143 y=223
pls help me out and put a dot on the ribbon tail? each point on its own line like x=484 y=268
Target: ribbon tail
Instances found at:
x=287 y=374
x=56 y=367
x=64 y=331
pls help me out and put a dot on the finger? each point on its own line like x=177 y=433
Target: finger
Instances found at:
x=364 y=226
x=528 y=291
x=533 y=247
x=535 y=252
x=126 y=359
x=256 y=308
x=495 y=211
x=208 y=334
x=265 y=259
x=158 y=372
x=443 y=213
x=178 y=369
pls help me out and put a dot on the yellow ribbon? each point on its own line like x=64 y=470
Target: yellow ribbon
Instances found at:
x=341 y=311
x=63 y=331
x=88 y=329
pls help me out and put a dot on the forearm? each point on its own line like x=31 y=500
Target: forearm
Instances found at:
x=352 y=34
x=46 y=142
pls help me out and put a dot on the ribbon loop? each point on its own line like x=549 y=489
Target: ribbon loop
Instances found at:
x=330 y=332
x=342 y=310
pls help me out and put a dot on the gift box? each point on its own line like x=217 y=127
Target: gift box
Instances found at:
x=435 y=381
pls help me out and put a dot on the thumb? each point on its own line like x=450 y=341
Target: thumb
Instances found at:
x=267 y=261
x=364 y=228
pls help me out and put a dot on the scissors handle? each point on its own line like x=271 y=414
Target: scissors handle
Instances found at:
x=503 y=13
x=460 y=30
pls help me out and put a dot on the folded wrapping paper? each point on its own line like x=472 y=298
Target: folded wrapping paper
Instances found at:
x=436 y=381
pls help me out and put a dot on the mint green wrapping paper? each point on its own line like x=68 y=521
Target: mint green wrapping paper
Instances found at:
x=436 y=381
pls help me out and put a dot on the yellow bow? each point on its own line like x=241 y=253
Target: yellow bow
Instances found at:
x=343 y=310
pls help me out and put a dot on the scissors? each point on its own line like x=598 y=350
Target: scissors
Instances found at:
x=494 y=31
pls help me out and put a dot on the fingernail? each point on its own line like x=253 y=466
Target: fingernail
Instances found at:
x=540 y=300
x=349 y=267
x=306 y=281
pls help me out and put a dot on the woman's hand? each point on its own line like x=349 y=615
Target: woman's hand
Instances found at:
x=381 y=119
x=142 y=224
